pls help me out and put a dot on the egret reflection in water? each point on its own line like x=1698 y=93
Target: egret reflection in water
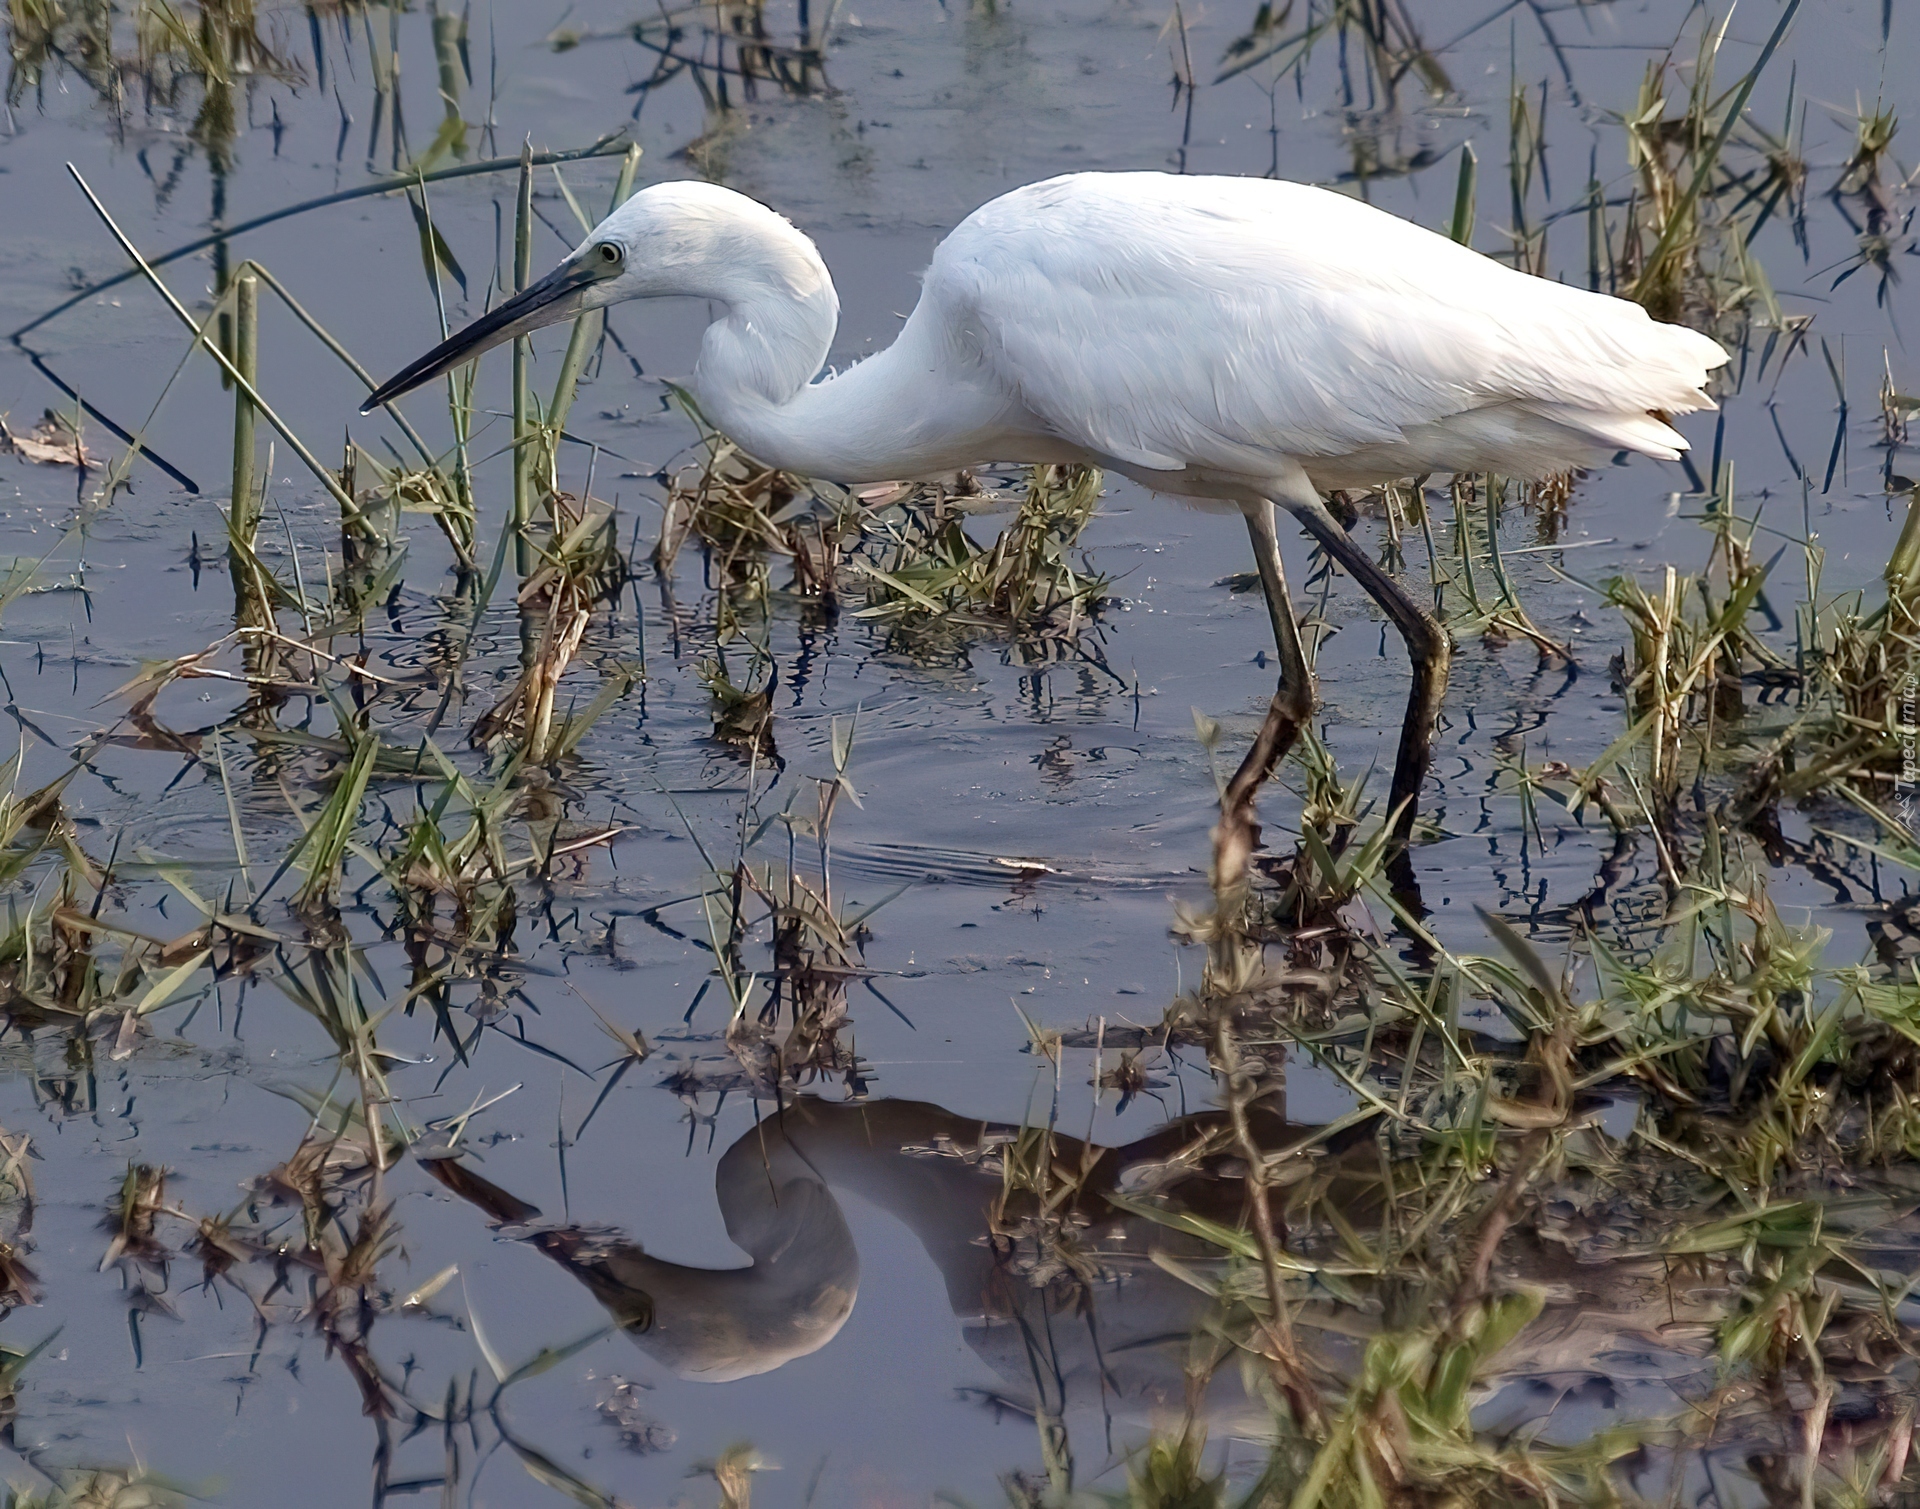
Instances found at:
x=1092 y=1309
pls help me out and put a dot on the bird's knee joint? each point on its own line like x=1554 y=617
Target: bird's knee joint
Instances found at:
x=1428 y=639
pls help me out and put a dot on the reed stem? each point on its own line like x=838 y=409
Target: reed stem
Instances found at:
x=586 y=328
x=1464 y=189
x=251 y=608
x=522 y=351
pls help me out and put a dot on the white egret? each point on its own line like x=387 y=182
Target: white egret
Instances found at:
x=1235 y=339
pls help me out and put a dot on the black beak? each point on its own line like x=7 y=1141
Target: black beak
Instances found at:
x=555 y=297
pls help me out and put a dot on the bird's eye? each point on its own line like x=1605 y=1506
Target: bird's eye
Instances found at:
x=609 y=253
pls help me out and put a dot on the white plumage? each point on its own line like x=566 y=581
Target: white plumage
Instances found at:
x=1226 y=338
x=1214 y=324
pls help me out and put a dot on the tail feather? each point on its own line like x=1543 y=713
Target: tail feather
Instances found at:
x=1641 y=431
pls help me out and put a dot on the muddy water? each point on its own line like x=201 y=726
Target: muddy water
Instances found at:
x=962 y=764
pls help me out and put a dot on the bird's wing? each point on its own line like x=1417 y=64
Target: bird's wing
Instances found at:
x=1217 y=322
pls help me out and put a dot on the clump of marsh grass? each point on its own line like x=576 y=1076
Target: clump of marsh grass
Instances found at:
x=579 y=566
x=1491 y=609
x=924 y=569
x=1897 y=411
x=33 y=32
x=167 y=49
x=470 y=868
x=723 y=499
x=732 y=54
x=398 y=487
x=742 y=718
x=1766 y=1078
x=18 y=1284
x=744 y=513
x=1681 y=250
x=1319 y=905
x=1857 y=707
x=1384 y=32
x=1860 y=183
x=1309 y=905
x=904 y=549
x=1684 y=672
x=787 y=1015
x=321 y=1267
x=1468 y=565
x=131 y=1219
x=454 y=853
x=1695 y=650
x=67 y=960
x=564 y=545
x=1698 y=736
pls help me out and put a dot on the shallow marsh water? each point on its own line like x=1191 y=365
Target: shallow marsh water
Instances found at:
x=964 y=760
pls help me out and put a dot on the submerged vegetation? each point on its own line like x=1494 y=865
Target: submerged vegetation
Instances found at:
x=1670 y=1125
x=1711 y=1105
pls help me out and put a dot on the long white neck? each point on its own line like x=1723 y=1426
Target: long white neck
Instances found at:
x=780 y=311
x=917 y=409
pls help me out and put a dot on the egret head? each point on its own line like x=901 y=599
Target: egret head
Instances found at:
x=682 y=238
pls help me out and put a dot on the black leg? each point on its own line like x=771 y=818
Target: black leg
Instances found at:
x=1428 y=647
